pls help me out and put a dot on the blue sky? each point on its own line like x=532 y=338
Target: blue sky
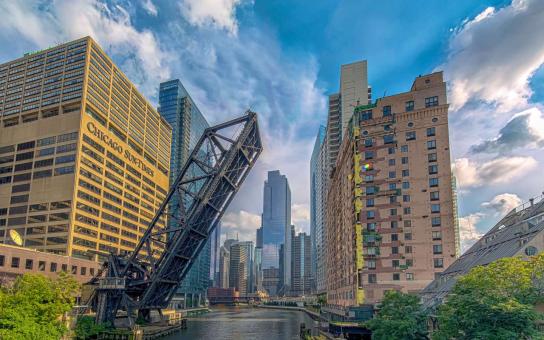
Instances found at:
x=282 y=58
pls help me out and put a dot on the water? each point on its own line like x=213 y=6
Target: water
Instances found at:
x=241 y=322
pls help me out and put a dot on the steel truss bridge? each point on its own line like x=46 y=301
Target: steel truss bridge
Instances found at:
x=147 y=279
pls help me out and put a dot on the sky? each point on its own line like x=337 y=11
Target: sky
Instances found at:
x=282 y=58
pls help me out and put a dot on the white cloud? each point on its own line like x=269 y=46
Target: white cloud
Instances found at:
x=496 y=171
x=300 y=217
x=218 y=13
x=241 y=224
x=503 y=203
x=525 y=129
x=150 y=7
x=141 y=56
x=467 y=230
x=492 y=57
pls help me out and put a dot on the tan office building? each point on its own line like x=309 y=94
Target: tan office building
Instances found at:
x=390 y=210
x=84 y=158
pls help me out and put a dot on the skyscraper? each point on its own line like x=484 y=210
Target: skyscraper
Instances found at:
x=241 y=267
x=315 y=183
x=224 y=267
x=302 y=279
x=390 y=207
x=188 y=124
x=276 y=222
x=84 y=158
x=215 y=240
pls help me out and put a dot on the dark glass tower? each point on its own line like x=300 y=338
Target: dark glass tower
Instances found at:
x=188 y=124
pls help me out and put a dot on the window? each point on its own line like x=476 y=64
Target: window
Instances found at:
x=393 y=212
x=42 y=174
x=404 y=160
x=437 y=249
x=406 y=198
x=432 y=157
x=409 y=106
x=64 y=170
x=41 y=266
x=409 y=262
x=74 y=270
x=431 y=131
x=2 y=260
x=433 y=169
x=431 y=144
x=435 y=195
x=67 y=137
x=25 y=155
x=407 y=210
x=435 y=208
x=392 y=199
x=370 y=190
x=387 y=110
x=369 y=154
x=43 y=162
x=408 y=236
x=391 y=150
x=406 y=185
x=438 y=263
x=23 y=166
x=392 y=186
x=46 y=152
x=394 y=237
x=65 y=159
x=15 y=262
x=371 y=264
x=29 y=264
x=394 y=224
x=370 y=202
x=394 y=250
x=396 y=277
x=371 y=226
x=404 y=148
x=25 y=146
x=392 y=162
x=372 y=278
x=410 y=135
x=19 y=199
x=370 y=214
x=47 y=141
x=437 y=235
x=431 y=101
x=368 y=142
x=53 y=267
x=436 y=221
x=66 y=148
x=433 y=182
x=388 y=139
x=409 y=276
x=83 y=271
x=392 y=174
x=405 y=173
x=408 y=249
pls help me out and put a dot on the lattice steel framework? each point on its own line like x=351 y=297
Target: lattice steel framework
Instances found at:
x=148 y=278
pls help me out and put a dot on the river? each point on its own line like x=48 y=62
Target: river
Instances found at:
x=241 y=322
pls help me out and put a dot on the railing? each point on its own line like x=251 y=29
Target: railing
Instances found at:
x=529 y=203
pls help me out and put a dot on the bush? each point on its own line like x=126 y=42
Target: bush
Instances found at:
x=86 y=328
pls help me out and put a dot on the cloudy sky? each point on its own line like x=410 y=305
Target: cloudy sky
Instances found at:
x=282 y=58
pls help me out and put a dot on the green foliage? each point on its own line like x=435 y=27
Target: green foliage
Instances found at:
x=33 y=307
x=400 y=317
x=494 y=302
x=86 y=328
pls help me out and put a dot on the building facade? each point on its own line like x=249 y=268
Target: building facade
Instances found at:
x=241 y=267
x=302 y=278
x=276 y=222
x=224 y=267
x=315 y=186
x=188 y=125
x=84 y=158
x=390 y=217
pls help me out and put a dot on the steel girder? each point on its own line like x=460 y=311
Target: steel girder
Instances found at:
x=190 y=212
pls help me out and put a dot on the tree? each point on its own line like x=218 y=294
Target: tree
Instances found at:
x=86 y=328
x=400 y=316
x=32 y=307
x=494 y=302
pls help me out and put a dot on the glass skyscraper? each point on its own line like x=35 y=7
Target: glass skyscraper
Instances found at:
x=188 y=124
x=276 y=222
x=316 y=200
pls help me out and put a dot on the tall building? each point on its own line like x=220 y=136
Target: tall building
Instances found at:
x=224 y=267
x=354 y=91
x=302 y=278
x=390 y=217
x=314 y=187
x=215 y=243
x=276 y=222
x=241 y=267
x=321 y=189
x=84 y=158
x=258 y=269
x=188 y=124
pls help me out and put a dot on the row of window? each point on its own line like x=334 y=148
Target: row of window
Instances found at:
x=29 y=264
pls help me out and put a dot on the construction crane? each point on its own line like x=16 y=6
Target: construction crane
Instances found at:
x=147 y=278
